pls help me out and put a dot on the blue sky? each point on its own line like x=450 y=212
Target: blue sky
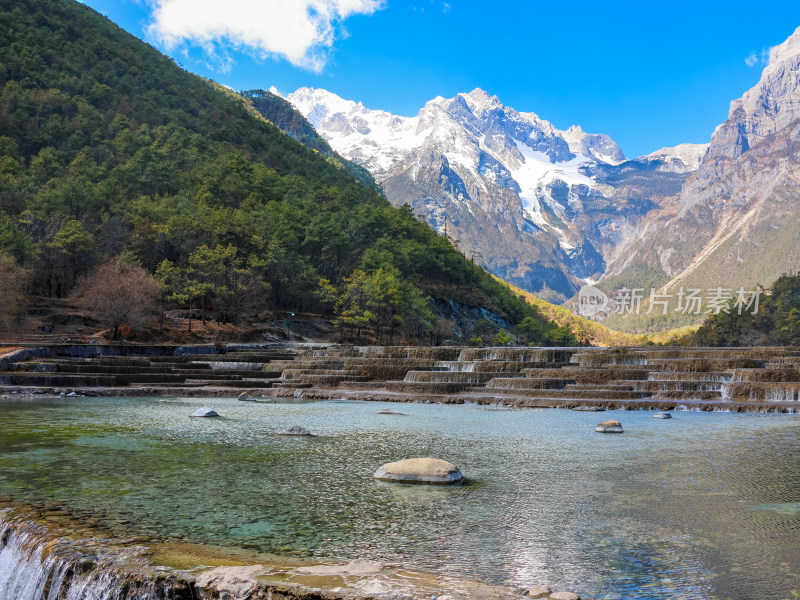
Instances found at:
x=648 y=74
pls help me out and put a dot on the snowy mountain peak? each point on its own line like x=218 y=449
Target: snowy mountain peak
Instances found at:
x=679 y=159
x=599 y=146
x=480 y=101
x=484 y=142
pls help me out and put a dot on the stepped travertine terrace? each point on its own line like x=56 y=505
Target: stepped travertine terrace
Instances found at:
x=630 y=377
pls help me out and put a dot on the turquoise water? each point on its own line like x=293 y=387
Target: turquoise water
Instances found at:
x=706 y=505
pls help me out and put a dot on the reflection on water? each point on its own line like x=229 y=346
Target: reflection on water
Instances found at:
x=700 y=506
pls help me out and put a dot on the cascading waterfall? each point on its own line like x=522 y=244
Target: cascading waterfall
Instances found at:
x=782 y=393
x=35 y=565
x=462 y=366
x=516 y=354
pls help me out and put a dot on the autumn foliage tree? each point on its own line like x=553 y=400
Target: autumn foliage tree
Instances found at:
x=120 y=293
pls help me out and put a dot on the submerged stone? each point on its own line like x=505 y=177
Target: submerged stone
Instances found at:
x=609 y=427
x=662 y=415
x=564 y=596
x=589 y=409
x=355 y=567
x=295 y=430
x=205 y=412
x=785 y=508
x=420 y=470
x=389 y=411
x=539 y=591
x=245 y=397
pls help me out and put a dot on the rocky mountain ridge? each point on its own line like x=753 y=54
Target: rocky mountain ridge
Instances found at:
x=540 y=207
x=737 y=219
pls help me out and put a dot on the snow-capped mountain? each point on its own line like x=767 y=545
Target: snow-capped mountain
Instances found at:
x=530 y=200
x=680 y=158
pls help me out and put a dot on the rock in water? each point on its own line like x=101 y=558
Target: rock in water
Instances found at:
x=662 y=415
x=564 y=596
x=609 y=427
x=389 y=411
x=539 y=591
x=296 y=430
x=205 y=412
x=235 y=583
x=420 y=470
x=589 y=409
x=245 y=397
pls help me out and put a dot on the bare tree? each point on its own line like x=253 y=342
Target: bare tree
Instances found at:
x=120 y=294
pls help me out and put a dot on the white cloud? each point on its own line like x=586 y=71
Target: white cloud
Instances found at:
x=761 y=57
x=302 y=31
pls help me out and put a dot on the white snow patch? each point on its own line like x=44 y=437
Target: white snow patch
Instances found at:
x=537 y=171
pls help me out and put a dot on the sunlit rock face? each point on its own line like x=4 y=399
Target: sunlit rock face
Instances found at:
x=736 y=221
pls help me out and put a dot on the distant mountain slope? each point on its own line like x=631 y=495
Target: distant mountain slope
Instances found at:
x=737 y=220
x=108 y=148
x=542 y=208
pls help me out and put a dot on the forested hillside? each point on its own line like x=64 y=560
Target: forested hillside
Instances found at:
x=107 y=148
x=283 y=115
x=774 y=320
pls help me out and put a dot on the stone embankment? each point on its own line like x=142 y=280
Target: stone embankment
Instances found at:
x=747 y=379
x=47 y=552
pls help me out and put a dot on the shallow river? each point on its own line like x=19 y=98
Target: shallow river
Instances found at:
x=702 y=506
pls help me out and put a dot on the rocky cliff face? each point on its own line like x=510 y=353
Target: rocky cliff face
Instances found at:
x=542 y=208
x=737 y=220
x=770 y=106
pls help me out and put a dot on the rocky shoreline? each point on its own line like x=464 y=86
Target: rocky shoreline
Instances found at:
x=64 y=552
x=21 y=393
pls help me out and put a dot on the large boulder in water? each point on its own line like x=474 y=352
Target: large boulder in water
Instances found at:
x=420 y=470
x=205 y=412
x=609 y=427
x=662 y=415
